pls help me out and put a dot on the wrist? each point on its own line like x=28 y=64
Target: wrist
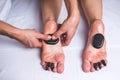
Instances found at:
x=15 y=34
x=12 y=32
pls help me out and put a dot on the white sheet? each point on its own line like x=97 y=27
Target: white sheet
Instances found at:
x=5 y=6
x=20 y=63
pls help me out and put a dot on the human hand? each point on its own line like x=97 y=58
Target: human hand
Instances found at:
x=67 y=30
x=31 y=38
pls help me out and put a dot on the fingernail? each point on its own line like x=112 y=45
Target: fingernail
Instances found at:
x=49 y=37
x=53 y=37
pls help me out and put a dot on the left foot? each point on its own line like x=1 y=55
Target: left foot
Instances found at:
x=52 y=55
x=94 y=58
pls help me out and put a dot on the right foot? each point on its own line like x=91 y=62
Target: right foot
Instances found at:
x=52 y=55
x=95 y=58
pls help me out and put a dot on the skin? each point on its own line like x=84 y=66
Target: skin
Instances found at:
x=51 y=53
x=54 y=53
x=29 y=37
x=71 y=22
x=93 y=12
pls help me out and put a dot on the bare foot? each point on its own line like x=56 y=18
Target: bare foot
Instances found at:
x=94 y=58
x=52 y=55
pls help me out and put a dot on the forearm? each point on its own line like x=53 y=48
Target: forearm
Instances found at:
x=8 y=30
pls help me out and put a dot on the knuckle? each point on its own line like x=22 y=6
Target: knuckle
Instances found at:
x=66 y=43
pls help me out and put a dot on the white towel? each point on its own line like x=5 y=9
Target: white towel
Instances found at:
x=5 y=6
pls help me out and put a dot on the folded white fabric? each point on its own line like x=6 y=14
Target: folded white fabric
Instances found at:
x=5 y=6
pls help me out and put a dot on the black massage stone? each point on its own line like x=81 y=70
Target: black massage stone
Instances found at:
x=98 y=41
x=51 y=41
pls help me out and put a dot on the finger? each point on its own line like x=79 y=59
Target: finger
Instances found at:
x=43 y=36
x=63 y=38
x=68 y=39
x=58 y=33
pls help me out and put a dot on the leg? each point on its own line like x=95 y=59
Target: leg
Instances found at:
x=50 y=10
x=94 y=58
x=52 y=55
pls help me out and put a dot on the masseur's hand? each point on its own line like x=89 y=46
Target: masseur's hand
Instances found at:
x=67 y=30
x=31 y=38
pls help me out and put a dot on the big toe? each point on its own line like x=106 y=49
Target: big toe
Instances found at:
x=60 y=67
x=86 y=66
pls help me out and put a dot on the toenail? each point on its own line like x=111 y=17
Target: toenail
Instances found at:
x=46 y=68
x=99 y=65
x=98 y=41
x=52 y=66
x=48 y=65
x=95 y=66
x=103 y=62
x=51 y=41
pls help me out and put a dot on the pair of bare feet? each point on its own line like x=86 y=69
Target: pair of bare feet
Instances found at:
x=52 y=57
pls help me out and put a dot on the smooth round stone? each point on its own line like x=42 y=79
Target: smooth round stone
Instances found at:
x=51 y=41
x=98 y=41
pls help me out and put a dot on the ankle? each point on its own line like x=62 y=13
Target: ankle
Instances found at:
x=96 y=22
x=50 y=27
x=97 y=26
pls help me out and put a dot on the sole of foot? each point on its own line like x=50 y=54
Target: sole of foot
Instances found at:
x=52 y=55
x=93 y=58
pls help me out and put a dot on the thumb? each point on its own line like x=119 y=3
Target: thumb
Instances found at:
x=43 y=36
x=68 y=39
x=59 y=33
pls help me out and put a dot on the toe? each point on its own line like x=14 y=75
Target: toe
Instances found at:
x=86 y=66
x=104 y=62
x=99 y=65
x=60 y=67
x=96 y=66
x=43 y=65
x=92 y=68
x=55 y=70
x=60 y=64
